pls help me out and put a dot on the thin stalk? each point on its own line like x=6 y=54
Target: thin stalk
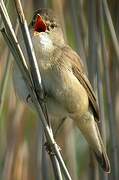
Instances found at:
x=18 y=55
x=94 y=173
x=3 y=89
x=44 y=163
x=77 y=30
x=15 y=54
x=40 y=4
x=33 y=65
x=111 y=28
x=55 y=163
x=60 y=13
x=35 y=75
x=92 y=40
x=13 y=142
x=13 y=43
x=100 y=89
x=100 y=93
x=112 y=122
x=83 y=24
x=4 y=80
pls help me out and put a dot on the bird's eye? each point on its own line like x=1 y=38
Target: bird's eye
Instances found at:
x=52 y=26
x=32 y=23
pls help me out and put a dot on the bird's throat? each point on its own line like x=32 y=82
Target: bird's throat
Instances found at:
x=42 y=42
x=44 y=48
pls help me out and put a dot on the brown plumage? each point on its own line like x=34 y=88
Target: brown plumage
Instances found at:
x=69 y=92
x=79 y=72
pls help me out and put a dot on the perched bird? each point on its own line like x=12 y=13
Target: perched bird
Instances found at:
x=69 y=92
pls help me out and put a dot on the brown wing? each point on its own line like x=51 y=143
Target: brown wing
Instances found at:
x=79 y=72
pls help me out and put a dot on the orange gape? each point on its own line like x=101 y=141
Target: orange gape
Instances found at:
x=40 y=26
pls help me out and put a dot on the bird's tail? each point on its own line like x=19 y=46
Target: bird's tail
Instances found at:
x=102 y=157
x=89 y=129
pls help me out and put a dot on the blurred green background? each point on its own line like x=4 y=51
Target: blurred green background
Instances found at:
x=92 y=29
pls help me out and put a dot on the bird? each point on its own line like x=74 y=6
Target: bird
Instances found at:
x=68 y=91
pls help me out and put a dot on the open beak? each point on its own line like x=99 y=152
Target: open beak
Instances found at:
x=40 y=26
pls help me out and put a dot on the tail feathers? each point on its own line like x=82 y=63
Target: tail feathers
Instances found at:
x=89 y=129
x=103 y=161
x=102 y=157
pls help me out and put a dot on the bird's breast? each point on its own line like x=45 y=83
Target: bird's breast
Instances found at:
x=44 y=48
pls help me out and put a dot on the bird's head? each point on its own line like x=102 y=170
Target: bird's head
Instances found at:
x=45 y=21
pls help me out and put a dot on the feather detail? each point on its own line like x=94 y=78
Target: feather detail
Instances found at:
x=79 y=72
